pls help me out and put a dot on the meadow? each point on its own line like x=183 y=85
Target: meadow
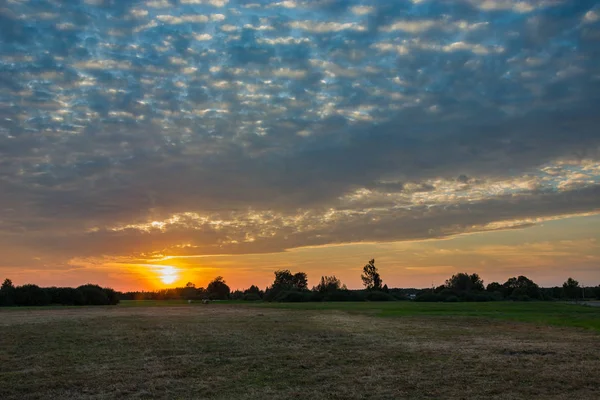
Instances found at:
x=226 y=350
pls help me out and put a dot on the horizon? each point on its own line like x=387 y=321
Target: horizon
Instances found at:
x=146 y=144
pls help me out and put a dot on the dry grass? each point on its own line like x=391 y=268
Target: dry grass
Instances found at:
x=236 y=352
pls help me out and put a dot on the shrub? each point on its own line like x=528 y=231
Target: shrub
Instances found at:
x=428 y=297
x=373 y=295
x=483 y=297
x=254 y=290
x=251 y=297
x=237 y=295
x=519 y=294
x=451 y=299
x=446 y=293
x=400 y=296
x=293 y=296
x=344 y=295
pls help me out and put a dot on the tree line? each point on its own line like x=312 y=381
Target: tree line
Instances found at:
x=470 y=287
x=33 y=295
x=217 y=289
x=293 y=287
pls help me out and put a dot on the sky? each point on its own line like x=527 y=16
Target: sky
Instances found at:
x=145 y=144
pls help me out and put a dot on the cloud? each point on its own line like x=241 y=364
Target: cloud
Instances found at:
x=326 y=27
x=188 y=128
x=517 y=6
x=362 y=10
x=215 y=3
x=170 y=19
x=591 y=16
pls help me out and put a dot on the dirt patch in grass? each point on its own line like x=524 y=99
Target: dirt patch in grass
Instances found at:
x=226 y=352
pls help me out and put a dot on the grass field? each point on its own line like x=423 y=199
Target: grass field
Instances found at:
x=318 y=351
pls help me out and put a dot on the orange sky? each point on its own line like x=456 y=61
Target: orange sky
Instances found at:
x=548 y=253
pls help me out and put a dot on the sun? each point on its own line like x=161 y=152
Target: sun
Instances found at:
x=169 y=274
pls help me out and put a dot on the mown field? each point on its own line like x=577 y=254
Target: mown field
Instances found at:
x=319 y=351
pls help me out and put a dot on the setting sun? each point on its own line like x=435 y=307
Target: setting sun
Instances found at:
x=169 y=274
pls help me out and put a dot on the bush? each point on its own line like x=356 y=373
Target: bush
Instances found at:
x=293 y=296
x=378 y=296
x=451 y=299
x=447 y=293
x=483 y=297
x=273 y=292
x=428 y=297
x=343 y=295
x=519 y=295
x=251 y=297
x=237 y=295
x=400 y=296
x=254 y=290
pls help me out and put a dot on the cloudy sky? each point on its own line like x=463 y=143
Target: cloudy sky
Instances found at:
x=192 y=138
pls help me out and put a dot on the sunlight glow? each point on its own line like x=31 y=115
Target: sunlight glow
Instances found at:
x=169 y=274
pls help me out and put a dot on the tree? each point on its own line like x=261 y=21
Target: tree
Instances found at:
x=189 y=292
x=300 y=281
x=66 y=296
x=255 y=291
x=31 y=295
x=218 y=289
x=7 y=285
x=463 y=282
x=571 y=288
x=7 y=293
x=494 y=287
x=285 y=282
x=94 y=295
x=520 y=287
x=370 y=276
x=328 y=284
x=284 y=278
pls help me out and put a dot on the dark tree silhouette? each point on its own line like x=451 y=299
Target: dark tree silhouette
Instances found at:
x=494 y=287
x=189 y=292
x=521 y=287
x=7 y=293
x=7 y=285
x=284 y=278
x=328 y=284
x=571 y=288
x=370 y=276
x=253 y=293
x=31 y=295
x=300 y=280
x=218 y=289
x=462 y=282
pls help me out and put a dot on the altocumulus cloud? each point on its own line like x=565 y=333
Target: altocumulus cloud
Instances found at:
x=152 y=128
